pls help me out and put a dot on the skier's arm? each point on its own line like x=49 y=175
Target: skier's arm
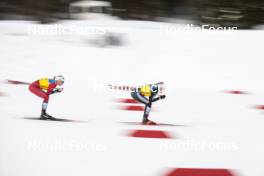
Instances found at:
x=57 y=90
x=158 y=98
x=53 y=89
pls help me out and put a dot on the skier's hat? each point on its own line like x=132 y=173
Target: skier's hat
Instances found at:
x=59 y=78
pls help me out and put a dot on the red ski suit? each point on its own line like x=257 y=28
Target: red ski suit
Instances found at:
x=43 y=88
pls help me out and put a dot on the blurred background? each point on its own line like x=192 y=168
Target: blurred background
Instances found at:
x=244 y=14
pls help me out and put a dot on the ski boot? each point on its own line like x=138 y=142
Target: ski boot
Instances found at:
x=148 y=122
x=45 y=116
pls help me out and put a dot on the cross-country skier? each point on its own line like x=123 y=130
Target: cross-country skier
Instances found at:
x=43 y=88
x=147 y=95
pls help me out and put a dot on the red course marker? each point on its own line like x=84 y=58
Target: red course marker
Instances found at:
x=133 y=108
x=261 y=107
x=127 y=100
x=199 y=172
x=149 y=134
x=238 y=92
x=130 y=106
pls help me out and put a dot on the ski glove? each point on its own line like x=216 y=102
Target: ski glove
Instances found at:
x=58 y=90
x=162 y=96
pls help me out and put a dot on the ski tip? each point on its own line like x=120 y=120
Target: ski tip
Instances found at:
x=236 y=92
x=260 y=107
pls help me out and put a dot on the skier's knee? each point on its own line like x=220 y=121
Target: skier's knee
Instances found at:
x=31 y=88
x=133 y=95
x=46 y=98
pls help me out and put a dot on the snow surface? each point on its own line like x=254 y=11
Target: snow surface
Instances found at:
x=197 y=66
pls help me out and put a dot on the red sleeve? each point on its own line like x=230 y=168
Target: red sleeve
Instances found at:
x=35 y=84
x=51 y=87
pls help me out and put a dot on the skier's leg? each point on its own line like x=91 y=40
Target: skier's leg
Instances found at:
x=147 y=110
x=146 y=113
x=44 y=107
x=137 y=96
x=38 y=92
x=43 y=95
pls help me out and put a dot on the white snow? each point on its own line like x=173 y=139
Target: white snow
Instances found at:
x=197 y=66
